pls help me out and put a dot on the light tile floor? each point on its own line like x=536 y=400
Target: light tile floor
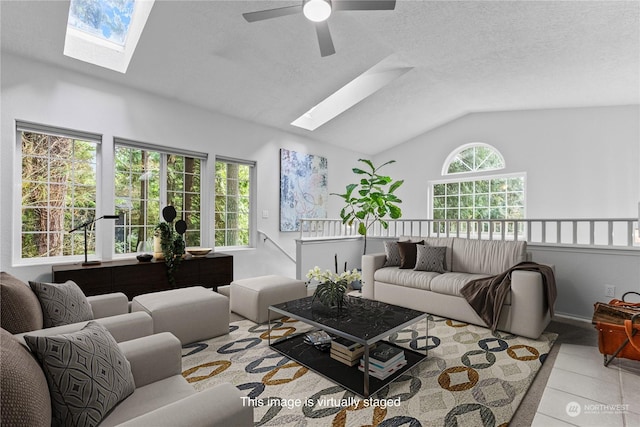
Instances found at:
x=582 y=392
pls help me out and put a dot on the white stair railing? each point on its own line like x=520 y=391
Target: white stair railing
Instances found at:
x=601 y=232
x=280 y=248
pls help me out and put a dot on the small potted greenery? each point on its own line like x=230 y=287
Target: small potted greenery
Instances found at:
x=168 y=242
x=371 y=199
x=332 y=286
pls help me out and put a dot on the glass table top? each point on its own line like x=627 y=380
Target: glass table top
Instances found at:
x=362 y=319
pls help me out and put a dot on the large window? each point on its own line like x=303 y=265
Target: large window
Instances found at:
x=500 y=197
x=480 y=197
x=147 y=179
x=59 y=169
x=233 y=207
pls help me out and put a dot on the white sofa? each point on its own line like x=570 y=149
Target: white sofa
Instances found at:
x=162 y=396
x=525 y=311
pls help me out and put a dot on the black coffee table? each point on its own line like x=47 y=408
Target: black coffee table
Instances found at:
x=361 y=320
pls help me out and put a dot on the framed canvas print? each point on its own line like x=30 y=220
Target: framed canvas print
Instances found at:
x=303 y=188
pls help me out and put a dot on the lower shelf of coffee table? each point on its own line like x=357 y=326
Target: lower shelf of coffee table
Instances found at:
x=349 y=377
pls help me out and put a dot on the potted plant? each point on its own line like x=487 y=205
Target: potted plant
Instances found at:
x=168 y=242
x=332 y=286
x=370 y=200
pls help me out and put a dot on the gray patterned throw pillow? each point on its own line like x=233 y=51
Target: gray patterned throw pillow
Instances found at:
x=62 y=303
x=86 y=372
x=431 y=258
x=392 y=252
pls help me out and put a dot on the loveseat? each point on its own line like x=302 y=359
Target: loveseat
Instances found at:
x=525 y=311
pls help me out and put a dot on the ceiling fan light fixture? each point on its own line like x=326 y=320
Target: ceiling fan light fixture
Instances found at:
x=317 y=10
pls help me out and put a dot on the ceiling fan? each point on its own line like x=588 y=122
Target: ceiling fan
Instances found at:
x=318 y=11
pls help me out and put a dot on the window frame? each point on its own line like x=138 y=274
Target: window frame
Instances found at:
x=21 y=126
x=162 y=177
x=253 y=222
x=483 y=177
x=452 y=156
x=471 y=176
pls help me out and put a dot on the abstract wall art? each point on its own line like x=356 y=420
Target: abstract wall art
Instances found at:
x=304 y=191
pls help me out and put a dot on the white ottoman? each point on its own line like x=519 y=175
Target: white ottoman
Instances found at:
x=191 y=314
x=251 y=298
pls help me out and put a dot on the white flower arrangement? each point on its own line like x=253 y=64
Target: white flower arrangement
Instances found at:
x=345 y=277
x=332 y=286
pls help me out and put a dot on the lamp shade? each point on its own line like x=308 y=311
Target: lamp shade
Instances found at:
x=317 y=10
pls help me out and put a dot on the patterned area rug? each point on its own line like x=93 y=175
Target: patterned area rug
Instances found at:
x=471 y=378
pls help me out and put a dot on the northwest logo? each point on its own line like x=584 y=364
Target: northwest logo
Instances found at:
x=573 y=409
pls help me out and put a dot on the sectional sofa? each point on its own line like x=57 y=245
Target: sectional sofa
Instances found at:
x=161 y=395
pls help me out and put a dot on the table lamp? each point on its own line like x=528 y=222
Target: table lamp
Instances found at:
x=84 y=226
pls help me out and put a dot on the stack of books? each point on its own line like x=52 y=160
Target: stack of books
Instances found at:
x=384 y=360
x=346 y=351
x=319 y=339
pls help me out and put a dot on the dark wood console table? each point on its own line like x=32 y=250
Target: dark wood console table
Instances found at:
x=134 y=278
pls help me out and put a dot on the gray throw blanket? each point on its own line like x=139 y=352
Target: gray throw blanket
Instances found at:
x=486 y=296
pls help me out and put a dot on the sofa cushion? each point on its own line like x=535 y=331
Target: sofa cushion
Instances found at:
x=25 y=399
x=403 y=277
x=86 y=371
x=451 y=283
x=487 y=256
x=436 y=241
x=123 y=327
x=408 y=253
x=430 y=258
x=62 y=303
x=392 y=252
x=149 y=398
x=19 y=307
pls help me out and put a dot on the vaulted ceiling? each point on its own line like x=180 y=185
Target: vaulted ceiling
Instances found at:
x=467 y=56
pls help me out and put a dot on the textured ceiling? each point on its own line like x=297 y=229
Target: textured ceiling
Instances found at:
x=467 y=56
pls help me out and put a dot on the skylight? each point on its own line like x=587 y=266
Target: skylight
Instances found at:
x=105 y=32
x=108 y=20
x=363 y=86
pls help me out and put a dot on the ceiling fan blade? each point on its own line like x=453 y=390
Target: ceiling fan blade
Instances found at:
x=324 y=39
x=363 y=4
x=272 y=13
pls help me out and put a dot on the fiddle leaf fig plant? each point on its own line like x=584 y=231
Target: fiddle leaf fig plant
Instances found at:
x=370 y=200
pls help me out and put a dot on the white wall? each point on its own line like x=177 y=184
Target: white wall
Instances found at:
x=322 y=253
x=580 y=162
x=36 y=92
x=582 y=275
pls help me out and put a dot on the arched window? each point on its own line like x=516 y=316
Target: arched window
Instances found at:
x=477 y=196
x=474 y=157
